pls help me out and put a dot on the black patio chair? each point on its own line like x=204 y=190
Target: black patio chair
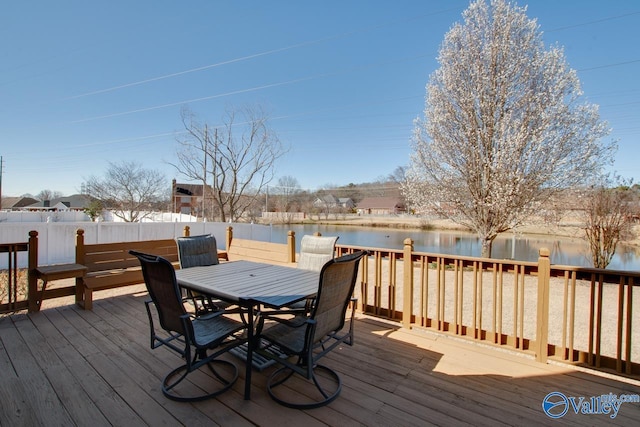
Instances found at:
x=194 y=251
x=309 y=338
x=190 y=336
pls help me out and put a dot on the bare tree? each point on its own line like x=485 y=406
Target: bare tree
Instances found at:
x=398 y=176
x=608 y=216
x=128 y=190
x=505 y=126
x=285 y=197
x=286 y=189
x=49 y=195
x=235 y=161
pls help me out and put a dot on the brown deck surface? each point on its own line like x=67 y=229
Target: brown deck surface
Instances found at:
x=66 y=366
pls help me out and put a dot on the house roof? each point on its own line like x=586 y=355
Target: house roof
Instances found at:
x=76 y=201
x=16 y=202
x=380 y=203
x=329 y=198
x=188 y=190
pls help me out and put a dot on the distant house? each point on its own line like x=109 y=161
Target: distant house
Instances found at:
x=76 y=202
x=346 y=202
x=381 y=206
x=186 y=198
x=16 y=203
x=332 y=202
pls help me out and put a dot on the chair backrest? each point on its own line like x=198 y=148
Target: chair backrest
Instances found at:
x=337 y=280
x=315 y=251
x=196 y=251
x=160 y=279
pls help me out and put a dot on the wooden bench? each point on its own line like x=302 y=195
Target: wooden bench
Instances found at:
x=272 y=253
x=47 y=273
x=109 y=265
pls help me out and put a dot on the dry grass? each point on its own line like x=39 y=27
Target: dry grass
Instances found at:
x=18 y=285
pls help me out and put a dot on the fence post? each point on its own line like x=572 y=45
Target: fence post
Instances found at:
x=32 y=280
x=542 y=320
x=291 y=246
x=229 y=237
x=407 y=285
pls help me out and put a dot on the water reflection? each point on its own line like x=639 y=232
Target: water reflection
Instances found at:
x=565 y=251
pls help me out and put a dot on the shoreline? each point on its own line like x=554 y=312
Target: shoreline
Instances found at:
x=568 y=228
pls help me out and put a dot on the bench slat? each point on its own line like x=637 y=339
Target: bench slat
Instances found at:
x=258 y=250
x=105 y=280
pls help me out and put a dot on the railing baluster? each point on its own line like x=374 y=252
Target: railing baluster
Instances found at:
x=628 y=340
x=620 y=324
x=572 y=316
x=521 y=309
x=599 y=321
x=516 y=276
x=592 y=310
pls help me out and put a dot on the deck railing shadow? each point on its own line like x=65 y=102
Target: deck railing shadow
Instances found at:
x=391 y=376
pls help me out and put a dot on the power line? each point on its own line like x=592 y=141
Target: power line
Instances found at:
x=611 y=18
x=252 y=89
x=617 y=64
x=257 y=55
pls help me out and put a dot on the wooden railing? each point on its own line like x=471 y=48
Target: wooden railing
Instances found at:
x=572 y=314
x=578 y=315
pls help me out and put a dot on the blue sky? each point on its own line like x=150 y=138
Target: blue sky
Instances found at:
x=83 y=83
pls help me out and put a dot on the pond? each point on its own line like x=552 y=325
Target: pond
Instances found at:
x=564 y=251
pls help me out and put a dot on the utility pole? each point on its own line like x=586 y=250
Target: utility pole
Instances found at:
x=204 y=172
x=1 y=162
x=215 y=194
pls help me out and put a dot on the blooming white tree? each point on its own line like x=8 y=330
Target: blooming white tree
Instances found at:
x=504 y=125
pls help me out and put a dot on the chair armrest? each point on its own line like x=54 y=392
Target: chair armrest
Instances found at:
x=209 y=315
x=295 y=322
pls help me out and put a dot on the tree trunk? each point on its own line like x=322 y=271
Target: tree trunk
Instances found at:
x=487 y=244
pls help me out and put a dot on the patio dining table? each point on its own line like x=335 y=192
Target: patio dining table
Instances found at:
x=250 y=285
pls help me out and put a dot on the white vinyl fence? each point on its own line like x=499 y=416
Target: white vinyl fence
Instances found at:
x=57 y=239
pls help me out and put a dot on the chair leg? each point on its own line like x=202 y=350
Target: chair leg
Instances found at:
x=169 y=385
x=328 y=396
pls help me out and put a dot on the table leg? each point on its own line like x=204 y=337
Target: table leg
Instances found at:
x=249 y=365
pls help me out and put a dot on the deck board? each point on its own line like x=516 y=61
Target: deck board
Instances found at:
x=67 y=366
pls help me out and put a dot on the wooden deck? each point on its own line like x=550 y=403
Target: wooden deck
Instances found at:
x=66 y=366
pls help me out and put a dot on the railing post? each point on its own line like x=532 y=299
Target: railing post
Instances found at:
x=80 y=260
x=542 y=320
x=187 y=231
x=407 y=285
x=291 y=246
x=229 y=237
x=31 y=273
